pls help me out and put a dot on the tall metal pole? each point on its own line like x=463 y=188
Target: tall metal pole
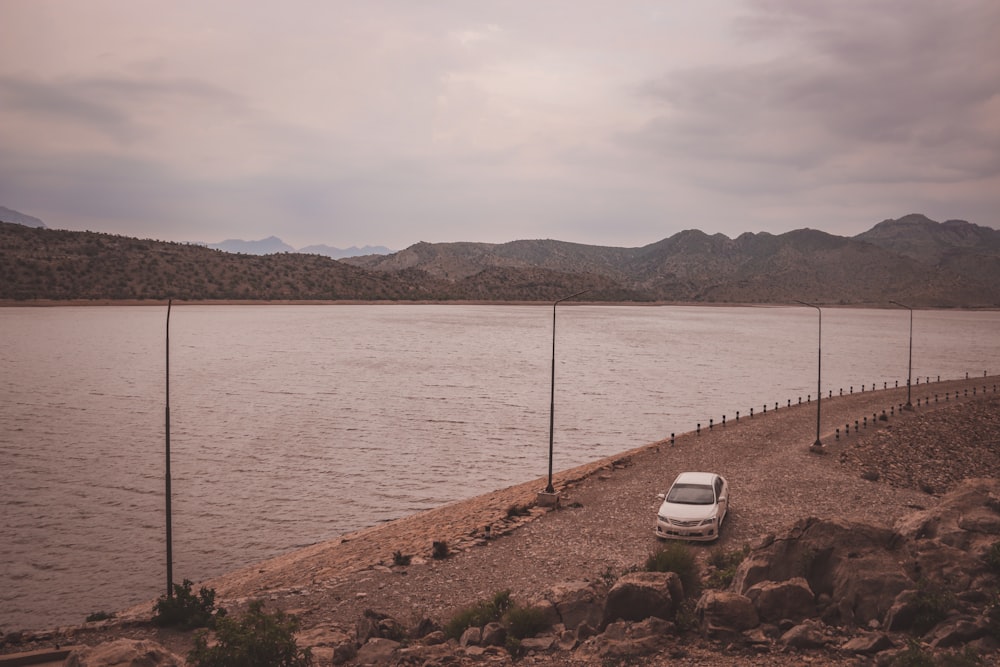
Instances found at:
x=552 y=400
x=819 y=366
x=170 y=548
x=909 y=365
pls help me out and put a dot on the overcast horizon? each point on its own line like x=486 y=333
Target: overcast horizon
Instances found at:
x=387 y=123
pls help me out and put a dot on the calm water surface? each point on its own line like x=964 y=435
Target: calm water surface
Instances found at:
x=295 y=424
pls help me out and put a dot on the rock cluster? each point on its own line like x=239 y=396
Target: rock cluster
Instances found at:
x=835 y=586
x=841 y=589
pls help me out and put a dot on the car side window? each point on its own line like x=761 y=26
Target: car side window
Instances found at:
x=718 y=487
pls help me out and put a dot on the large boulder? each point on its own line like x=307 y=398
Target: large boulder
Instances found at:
x=578 y=602
x=855 y=564
x=640 y=595
x=124 y=653
x=967 y=518
x=725 y=614
x=778 y=600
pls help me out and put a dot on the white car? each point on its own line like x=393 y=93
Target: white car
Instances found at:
x=694 y=507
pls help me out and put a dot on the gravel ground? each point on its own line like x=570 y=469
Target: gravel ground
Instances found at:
x=607 y=512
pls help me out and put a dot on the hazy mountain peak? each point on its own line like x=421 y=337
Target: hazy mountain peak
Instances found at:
x=10 y=215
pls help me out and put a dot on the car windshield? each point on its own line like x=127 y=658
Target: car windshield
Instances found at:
x=691 y=494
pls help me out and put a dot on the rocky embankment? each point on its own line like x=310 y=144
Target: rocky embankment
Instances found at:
x=880 y=548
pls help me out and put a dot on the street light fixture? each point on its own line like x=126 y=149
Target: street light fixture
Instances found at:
x=166 y=475
x=909 y=366
x=818 y=445
x=552 y=401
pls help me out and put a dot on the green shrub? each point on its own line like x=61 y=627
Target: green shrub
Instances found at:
x=478 y=615
x=913 y=656
x=725 y=564
x=256 y=639
x=398 y=558
x=186 y=610
x=967 y=657
x=99 y=616
x=993 y=557
x=524 y=622
x=678 y=558
x=439 y=550
x=932 y=606
x=518 y=510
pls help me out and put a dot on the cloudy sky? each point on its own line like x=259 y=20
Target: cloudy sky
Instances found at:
x=389 y=122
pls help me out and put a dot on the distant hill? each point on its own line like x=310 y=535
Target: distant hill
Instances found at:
x=913 y=260
x=18 y=218
x=340 y=253
x=958 y=246
x=268 y=246
x=272 y=244
x=693 y=266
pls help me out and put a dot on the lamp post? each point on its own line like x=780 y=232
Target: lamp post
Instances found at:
x=909 y=365
x=166 y=476
x=818 y=445
x=552 y=401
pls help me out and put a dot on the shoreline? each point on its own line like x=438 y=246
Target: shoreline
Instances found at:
x=461 y=523
x=604 y=523
x=61 y=303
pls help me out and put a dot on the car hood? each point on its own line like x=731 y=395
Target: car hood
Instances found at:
x=686 y=512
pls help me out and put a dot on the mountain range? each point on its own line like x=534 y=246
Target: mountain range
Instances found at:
x=912 y=259
x=273 y=244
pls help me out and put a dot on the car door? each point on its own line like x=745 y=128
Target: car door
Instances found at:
x=721 y=497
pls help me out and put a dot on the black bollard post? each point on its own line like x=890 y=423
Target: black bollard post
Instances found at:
x=897 y=384
x=841 y=391
x=789 y=402
x=866 y=422
x=809 y=398
x=885 y=385
x=838 y=434
x=892 y=410
x=711 y=424
x=765 y=408
x=800 y=400
x=776 y=403
x=699 y=428
x=737 y=415
x=751 y=413
x=671 y=439
x=847 y=430
x=723 y=420
x=856 y=422
x=852 y=389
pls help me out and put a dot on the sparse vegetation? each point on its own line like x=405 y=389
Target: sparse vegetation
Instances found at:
x=478 y=615
x=524 y=622
x=520 y=622
x=518 y=510
x=400 y=559
x=993 y=557
x=678 y=558
x=99 y=616
x=932 y=606
x=439 y=550
x=256 y=639
x=725 y=564
x=186 y=610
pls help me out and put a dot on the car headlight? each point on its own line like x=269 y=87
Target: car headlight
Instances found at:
x=709 y=521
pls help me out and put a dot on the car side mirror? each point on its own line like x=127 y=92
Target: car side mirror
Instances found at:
x=661 y=496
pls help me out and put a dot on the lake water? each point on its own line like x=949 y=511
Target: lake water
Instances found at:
x=294 y=424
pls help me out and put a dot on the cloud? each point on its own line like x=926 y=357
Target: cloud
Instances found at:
x=855 y=92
